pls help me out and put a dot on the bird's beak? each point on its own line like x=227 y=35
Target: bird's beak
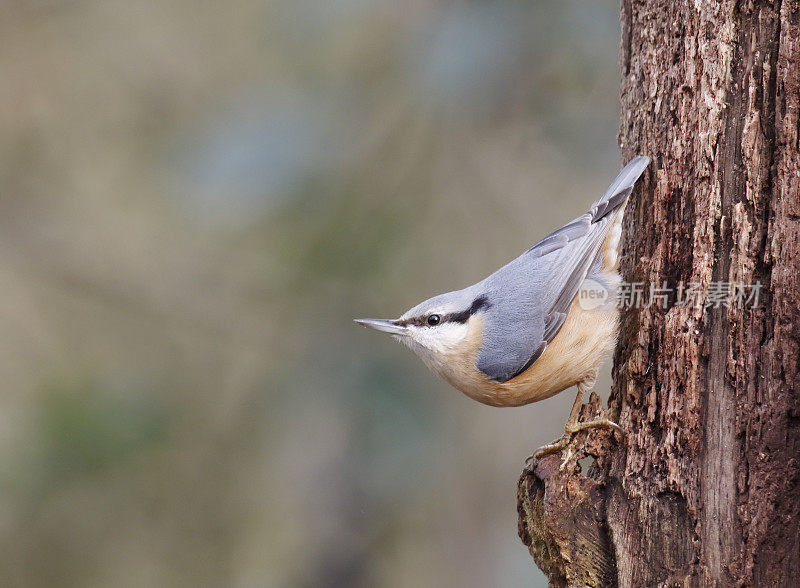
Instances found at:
x=384 y=325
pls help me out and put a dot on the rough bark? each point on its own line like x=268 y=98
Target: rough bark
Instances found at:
x=561 y=513
x=705 y=488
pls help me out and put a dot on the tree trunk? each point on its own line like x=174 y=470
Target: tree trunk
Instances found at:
x=705 y=488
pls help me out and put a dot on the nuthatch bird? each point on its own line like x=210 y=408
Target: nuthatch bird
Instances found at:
x=526 y=332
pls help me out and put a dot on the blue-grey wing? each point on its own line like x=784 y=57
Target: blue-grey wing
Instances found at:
x=532 y=295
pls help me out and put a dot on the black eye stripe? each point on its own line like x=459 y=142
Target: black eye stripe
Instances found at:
x=480 y=303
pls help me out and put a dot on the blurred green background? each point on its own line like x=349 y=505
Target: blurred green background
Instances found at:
x=196 y=198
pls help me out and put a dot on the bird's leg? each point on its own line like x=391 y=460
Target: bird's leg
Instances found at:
x=575 y=413
x=572 y=421
x=573 y=424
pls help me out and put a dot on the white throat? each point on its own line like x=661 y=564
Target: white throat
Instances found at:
x=434 y=344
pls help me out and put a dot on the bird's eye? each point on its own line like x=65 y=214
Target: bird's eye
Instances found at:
x=433 y=320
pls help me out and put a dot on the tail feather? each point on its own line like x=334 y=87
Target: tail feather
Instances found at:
x=620 y=188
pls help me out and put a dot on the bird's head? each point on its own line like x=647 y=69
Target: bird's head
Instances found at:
x=436 y=328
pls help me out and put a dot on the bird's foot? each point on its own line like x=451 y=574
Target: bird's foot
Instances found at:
x=603 y=423
x=569 y=433
x=552 y=447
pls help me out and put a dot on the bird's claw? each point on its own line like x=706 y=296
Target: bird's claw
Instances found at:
x=604 y=423
x=569 y=432
x=553 y=447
